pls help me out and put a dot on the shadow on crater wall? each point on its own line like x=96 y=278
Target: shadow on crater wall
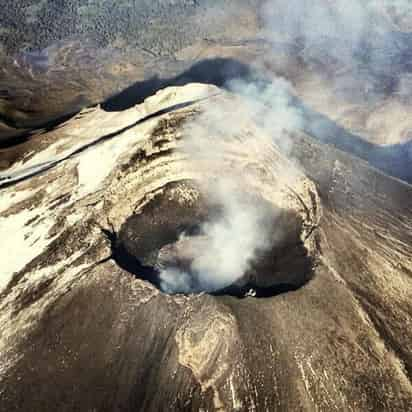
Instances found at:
x=217 y=71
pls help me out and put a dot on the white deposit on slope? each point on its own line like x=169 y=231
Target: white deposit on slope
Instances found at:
x=21 y=242
x=11 y=197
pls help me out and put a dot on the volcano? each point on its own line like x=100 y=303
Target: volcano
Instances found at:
x=83 y=302
x=205 y=206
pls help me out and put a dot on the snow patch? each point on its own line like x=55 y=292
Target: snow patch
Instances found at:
x=21 y=242
x=50 y=153
x=12 y=197
x=96 y=164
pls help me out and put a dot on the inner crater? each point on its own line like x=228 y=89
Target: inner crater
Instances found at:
x=235 y=244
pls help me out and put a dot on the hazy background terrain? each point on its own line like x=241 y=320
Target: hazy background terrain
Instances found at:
x=348 y=62
x=57 y=56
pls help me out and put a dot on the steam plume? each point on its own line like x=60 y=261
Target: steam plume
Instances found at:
x=245 y=227
x=354 y=40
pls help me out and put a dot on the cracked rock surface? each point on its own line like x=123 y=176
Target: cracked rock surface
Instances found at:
x=79 y=331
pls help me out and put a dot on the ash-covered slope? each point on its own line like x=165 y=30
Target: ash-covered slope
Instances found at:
x=330 y=328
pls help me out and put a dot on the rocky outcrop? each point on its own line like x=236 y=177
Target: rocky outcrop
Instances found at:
x=85 y=327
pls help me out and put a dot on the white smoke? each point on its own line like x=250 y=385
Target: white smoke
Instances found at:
x=245 y=225
x=404 y=88
x=358 y=43
x=316 y=22
x=352 y=39
x=231 y=242
x=336 y=28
